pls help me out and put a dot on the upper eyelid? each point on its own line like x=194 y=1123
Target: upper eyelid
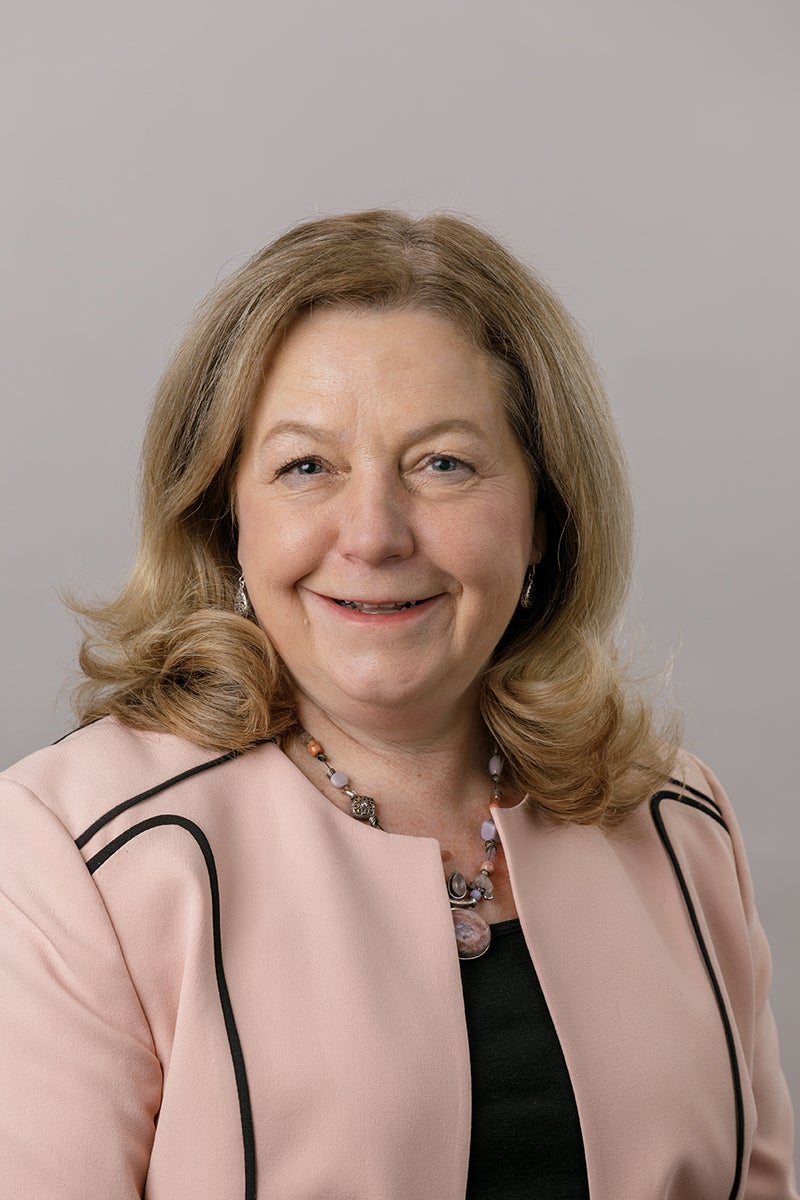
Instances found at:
x=440 y=454
x=298 y=459
x=318 y=460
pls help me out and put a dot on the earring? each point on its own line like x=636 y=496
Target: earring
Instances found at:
x=526 y=599
x=241 y=605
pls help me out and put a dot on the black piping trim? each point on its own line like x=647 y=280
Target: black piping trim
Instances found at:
x=77 y=729
x=234 y=1044
x=690 y=802
x=700 y=795
x=97 y=825
x=655 y=808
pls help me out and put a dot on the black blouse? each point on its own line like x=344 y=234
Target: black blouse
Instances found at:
x=526 y=1137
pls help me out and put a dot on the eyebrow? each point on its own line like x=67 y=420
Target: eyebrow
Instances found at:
x=319 y=432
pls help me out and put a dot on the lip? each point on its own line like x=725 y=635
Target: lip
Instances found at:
x=416 y=609
x=398 y=605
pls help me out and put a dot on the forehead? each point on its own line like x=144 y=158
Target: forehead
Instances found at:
x=346 y=355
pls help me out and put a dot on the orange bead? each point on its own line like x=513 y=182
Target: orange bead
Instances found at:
x=488 y=867
x=313 y=747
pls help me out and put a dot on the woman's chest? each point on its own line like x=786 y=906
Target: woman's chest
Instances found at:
x=304 y=995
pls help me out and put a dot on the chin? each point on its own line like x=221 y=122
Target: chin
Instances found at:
x=378 y=690
x=386 y=693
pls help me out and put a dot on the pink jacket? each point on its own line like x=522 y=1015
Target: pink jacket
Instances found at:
x=216 y=984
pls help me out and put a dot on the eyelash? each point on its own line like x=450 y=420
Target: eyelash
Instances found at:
x=461 y=462
x=296 y=462
x=291 y=463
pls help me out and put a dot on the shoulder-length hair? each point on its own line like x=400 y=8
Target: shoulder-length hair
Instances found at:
x=169 y=651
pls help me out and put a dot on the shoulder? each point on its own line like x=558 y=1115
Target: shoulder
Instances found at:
x=99 y=766
x=694 y=821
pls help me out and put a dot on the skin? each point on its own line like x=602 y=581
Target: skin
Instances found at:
x=379 y=467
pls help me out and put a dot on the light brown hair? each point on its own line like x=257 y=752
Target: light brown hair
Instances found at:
x=169 y=652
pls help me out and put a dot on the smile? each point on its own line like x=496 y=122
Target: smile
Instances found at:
x=365 y=607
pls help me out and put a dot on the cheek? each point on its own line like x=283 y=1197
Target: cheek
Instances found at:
x=258 y=542
x=499 y=540
x=275 y=548
x=254 y=534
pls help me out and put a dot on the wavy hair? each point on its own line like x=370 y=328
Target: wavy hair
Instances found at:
x=169 y=652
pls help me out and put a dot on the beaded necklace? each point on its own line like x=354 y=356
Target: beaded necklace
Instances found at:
x=473 y=933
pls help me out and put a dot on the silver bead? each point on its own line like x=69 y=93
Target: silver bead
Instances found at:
x=363 y=808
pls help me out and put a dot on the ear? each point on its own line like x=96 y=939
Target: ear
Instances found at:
x=539 y=537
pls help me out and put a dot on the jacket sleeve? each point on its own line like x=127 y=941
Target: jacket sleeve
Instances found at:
x=770 y=1174
x=80 y=1083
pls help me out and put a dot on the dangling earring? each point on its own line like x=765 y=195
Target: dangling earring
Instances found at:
x=526 y=599
x=241 y=605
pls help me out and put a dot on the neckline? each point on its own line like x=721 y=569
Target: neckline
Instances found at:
x=512 y=925
x=321 y=799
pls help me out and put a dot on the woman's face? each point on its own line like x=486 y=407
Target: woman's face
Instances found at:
x=385 y=509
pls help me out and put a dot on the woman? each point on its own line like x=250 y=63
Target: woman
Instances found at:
x=366 y=875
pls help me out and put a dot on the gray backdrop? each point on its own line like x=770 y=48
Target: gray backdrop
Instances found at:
x=642 y=155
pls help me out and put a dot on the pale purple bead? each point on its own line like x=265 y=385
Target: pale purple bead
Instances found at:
x=476 y=893
x=338 y=779
x=488 y=831
x=495 y=764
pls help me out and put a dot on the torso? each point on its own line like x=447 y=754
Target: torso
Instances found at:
x=335 y=945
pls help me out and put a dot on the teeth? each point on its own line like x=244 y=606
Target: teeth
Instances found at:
x=396 y=606
x=381 y=608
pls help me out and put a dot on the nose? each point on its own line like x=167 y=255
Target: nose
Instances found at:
x=375 y=518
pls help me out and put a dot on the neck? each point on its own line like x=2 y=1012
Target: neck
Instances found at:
x=426 y=786
x=419 y=779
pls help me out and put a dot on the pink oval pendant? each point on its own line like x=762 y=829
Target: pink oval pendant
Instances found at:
x=473 y=934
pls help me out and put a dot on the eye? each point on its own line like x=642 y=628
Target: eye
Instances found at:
x=447 y=464
x=298 y=469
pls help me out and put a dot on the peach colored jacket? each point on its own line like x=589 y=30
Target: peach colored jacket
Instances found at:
x=215 y=984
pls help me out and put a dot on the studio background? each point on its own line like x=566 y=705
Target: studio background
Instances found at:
x=641 y=155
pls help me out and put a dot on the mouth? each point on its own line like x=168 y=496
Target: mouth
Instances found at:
x=392 y=606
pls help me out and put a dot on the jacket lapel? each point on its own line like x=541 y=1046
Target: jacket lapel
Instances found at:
x=619 y=967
